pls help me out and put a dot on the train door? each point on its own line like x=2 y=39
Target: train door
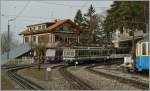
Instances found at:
x=142 y=57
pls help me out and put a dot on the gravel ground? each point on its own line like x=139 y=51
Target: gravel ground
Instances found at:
x=122 y=74
x=99 y=82
x=55 y=82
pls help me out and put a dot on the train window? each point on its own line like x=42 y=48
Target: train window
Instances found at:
x=99 y=52
x=107 y=51
x=82 y=52
x=104 y=52
x=110 y=52
x=76 y=53
x=72 y=53
x=144 y=49
x=93 y=53
x=86 y=52
x=68 y=53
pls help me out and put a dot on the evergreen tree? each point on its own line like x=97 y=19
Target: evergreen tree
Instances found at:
x=79 y=19
x=127 y=14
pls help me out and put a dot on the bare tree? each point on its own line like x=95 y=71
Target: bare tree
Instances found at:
x=4 y=42
x=40 y=50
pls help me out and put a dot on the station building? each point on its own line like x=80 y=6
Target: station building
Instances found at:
x=60 y=33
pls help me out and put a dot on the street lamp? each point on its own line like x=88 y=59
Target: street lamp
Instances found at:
x=8 y=37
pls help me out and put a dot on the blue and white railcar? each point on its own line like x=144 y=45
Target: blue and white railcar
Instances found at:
x=142 y=56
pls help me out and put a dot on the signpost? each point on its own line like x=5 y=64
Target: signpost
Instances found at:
x=76 y=63
x=46 y=73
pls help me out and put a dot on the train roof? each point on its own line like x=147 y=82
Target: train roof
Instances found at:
x=144 y=40
x=82 y=47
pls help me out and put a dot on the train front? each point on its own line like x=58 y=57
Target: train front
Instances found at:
x=69 y=55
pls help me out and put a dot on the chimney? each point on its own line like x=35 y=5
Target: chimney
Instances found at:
x=56 y=20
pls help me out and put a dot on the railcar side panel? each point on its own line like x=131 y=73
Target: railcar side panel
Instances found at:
x=142 y=63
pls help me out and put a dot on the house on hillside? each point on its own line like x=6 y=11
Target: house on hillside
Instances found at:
x=63 y=32
x=60 y=33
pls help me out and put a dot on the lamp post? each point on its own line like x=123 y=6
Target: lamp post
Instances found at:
x=8 y=37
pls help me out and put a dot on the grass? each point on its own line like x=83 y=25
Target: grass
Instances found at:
x=6 y=84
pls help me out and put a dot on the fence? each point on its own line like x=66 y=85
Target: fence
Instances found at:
x=24 y=60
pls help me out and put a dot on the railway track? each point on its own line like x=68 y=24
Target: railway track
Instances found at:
x=23 y=82
x=135 y=83
x=73 y=80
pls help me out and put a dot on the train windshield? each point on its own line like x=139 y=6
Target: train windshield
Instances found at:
x=144 y=49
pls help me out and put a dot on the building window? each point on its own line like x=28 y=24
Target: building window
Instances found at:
x=39 y=27
x=43 y=27
x=65 y=28
x=43 y=38
x=34 y=38
x=26 y=39
x=33 y=28
x=61 y=28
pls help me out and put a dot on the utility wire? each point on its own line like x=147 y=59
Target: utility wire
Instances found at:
x=28 y=16
x=50 y=3
x=84 y=4
x=22 y=10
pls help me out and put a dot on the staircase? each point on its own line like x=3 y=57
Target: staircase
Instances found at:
x=19 y=51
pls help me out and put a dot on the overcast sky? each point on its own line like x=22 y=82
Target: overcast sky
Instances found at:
x=33 y=12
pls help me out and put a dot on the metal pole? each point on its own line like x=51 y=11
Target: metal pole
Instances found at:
x=46 y=75
x=133 y=39
x=8 y=41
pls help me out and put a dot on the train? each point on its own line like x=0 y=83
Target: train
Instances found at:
x=71 y=55
x=90 y=54
x=54 y=55
x=139 y=61
x=142 y=56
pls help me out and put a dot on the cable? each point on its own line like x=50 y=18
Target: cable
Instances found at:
x=84 y=4
x=22 y=10
x=27 y=16
x=68 y=5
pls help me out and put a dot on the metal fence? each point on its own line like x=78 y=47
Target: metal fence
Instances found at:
x=20 y=61
x=15 y=53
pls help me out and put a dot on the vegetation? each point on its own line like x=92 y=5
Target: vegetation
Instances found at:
x=4 y=42
x=91 y=24
x=40 y=50
x=79 y=20
x=131 y=15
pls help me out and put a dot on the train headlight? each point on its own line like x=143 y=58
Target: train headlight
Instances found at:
x=107 y=57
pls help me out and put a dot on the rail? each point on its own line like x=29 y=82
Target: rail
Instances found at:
x=75 y=81
x=23 y=82
x=135 y=83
